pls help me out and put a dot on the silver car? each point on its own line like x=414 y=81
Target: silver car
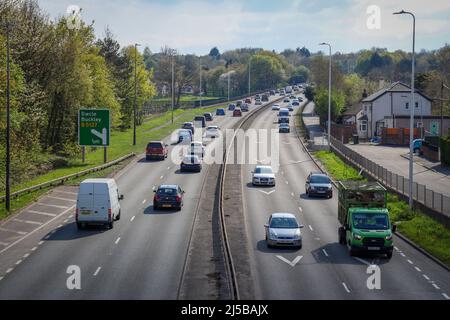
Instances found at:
x=283 y=229
x=263 y=175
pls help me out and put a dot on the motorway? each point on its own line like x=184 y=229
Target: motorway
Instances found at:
x=143 y=257
x=324 y=268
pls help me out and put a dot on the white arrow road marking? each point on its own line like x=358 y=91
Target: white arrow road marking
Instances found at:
x=267 y=193
x=291 y=263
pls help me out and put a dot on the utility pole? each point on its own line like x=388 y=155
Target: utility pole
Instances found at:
x=135 y=94
x=200 y=91
x=228 y=86
x=413 y=105
x=329 y=96
x=8 y=121
x=173 y=82
x=249 y=75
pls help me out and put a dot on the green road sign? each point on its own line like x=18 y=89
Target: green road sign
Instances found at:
x=93 y=127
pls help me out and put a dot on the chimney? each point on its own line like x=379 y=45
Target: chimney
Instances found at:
x=364 y=95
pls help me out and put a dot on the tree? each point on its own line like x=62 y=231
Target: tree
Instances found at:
x=300 y=75
x=214 y=53
x=337 y=104
x=304 y=52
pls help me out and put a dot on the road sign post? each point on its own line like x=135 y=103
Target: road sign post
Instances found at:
x=94 y=128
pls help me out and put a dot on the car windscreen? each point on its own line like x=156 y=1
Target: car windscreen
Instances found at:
x=263 y=170
x=370 y=221
x=320 y=179
x=281 y=222
x=167 y=191
x=154 y=145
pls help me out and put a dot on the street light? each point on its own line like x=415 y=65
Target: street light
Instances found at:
x=413 y=105
x=329 y=94
x=135 y=93
x=8 y=121
x=173 y=82
x=249 y=74
x=200 y=90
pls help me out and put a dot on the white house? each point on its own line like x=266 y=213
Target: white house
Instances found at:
x=380 y=109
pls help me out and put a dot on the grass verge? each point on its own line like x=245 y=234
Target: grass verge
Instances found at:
x=426 y=232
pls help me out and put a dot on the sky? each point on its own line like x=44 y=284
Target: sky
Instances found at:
x=196 y=26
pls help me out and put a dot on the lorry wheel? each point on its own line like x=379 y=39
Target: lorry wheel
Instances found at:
x=351 y=251
x=341 y=236
x=389 y=255
x=79 y=226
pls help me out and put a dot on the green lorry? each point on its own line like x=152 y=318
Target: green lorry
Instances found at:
x=364 y=218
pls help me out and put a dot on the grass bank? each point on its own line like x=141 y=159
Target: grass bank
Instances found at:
x=426 y=232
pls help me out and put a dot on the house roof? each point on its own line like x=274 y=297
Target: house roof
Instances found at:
x=393 y=87
x=364 y=117
x=353 y=110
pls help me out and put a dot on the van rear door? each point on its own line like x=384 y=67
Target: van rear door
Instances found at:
x=85 y=201
x=101 y=201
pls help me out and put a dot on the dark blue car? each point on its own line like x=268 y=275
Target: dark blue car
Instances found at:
x=220 y=112
x=168 y=196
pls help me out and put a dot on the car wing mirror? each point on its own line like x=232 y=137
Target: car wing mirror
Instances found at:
x=121 y=197
x=266 y=225
x=301 y=226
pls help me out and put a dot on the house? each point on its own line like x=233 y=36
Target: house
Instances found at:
x=380 y=109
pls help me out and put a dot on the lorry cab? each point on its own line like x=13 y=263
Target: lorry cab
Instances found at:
x=98 y=203
x=364 y=218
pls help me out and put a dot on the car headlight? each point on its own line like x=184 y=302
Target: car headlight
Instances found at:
x=272 y=235
x=312 y=187
x=388 y=237
x=297 y=235
x=357 y=236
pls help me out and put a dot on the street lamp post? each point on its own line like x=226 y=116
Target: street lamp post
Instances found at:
x=135 y=93
x=249 y=75
x=200 y=90
x=413 y=105
x=228 y=86
x=173 y=83
x=329 y=95
x=8 y=122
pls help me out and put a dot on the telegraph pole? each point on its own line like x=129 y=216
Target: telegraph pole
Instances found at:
x=135 y=93
x=173 y=82
x=8 y=122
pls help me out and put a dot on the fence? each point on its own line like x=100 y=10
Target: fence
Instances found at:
x=421 y=194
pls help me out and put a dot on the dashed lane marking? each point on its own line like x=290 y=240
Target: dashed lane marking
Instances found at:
x=42 y=213
x=325 y=252
x=15 y=231
x=132 y=218
x=435 y=286
x=345 y=287
x=426 y=277
x=9 y=270
x=63 y=199
x=28 y=221
x=97 y=271
x=26 y=255
x=53 y=205
x=18 y=262
x=144 y=201
x=443 y=294
x=410 y=262
x=311 y=228
x=417 y=269
x=117 y=241
x=300 y=209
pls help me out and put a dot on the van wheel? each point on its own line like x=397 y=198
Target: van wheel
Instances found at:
x=351 y=251
x=111 y=225
x=118 y=216
x=79 y=225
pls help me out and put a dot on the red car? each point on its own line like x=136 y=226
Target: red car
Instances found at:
x=248 y=101
x=156 y=150
x=237 y=113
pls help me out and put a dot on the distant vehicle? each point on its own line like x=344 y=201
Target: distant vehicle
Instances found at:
x=291 y=107
x=184 y=136
x=200 y=121
x=417 y=146
x=208 y=116
x=248 y=100
x=295 y=88
x=288 y=89
x=188 y=126
x=284 y=112
x=231 y=107
x=237 y=113
x=318 y=184
x=292 y=97
x=275 y=107
x=284 y=128
x=191 y=162
x=197 y=148
x=364 y=218
x=258 y=102
x=220 y=112
x=282 y=92
x=239 y=103
x=277 y=91
x=156 y=149
x=283 y=119
x=265 y=97
x=300 y=99
x=168 y=196
x=272 y=92
x=98 y=203
x=244 y=107
x=213 y=131
x=286 y=100
x=283 y=229
x=257 y=96
x=263 y=175
x=295 y=102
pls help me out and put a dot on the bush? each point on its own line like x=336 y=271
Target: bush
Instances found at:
x=445 y=150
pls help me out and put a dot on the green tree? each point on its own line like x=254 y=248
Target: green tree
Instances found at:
x=337 y=104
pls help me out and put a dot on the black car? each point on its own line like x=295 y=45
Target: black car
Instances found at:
x=319 y=184
x=208 y=116
x=168 y=196
x=188 y=126
x=200 y=121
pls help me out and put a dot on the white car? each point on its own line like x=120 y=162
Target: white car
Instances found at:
x=283 y=229
x=258 y=102
x=263 y=176
x=276 y=107
x=197 y=148
x=212 y=132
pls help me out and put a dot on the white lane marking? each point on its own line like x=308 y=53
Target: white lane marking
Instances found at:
x=28 y=221
x=47 y=237
x=65 y=221
x=41 y=213
x=292 y=194
x=282 y=172
x=144 y=201
x=435 y=286
x=324 y=252
x=291 y=263
x=60 y=226
x=3 y=243
x=53 y=205
x=287 y=182
x=426 y=277
x=10 y=230
x=418 y=269
x=9 y=270
x=97 y=271
x=345 y=287
x=300 y=209
x=311 y=228
x=66 y=192
x=118 y=239
x=35 y=230
x=444 y=294
x=402 y=254
x=132 y=218
x=18 y=262
x=396 y=248
x=168 y=168
x=40 y=243
x=33 y=249
x=267 y=193
x=26 y=255
x=410 y=262
x=52 y=232
x=162 y=177
x=63 y=199
x=1 y=278
x=362 y=261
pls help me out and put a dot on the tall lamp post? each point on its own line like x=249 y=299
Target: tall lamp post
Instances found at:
x=413 y=105
x=249 y=75
x=173 y=83
x=8 y=122
x=329 y=95
x=200 y=90
x=135 y=93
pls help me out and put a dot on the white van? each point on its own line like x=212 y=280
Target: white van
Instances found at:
x=98 y=203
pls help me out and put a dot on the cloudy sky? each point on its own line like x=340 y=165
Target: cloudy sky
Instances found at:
x=195 y=26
